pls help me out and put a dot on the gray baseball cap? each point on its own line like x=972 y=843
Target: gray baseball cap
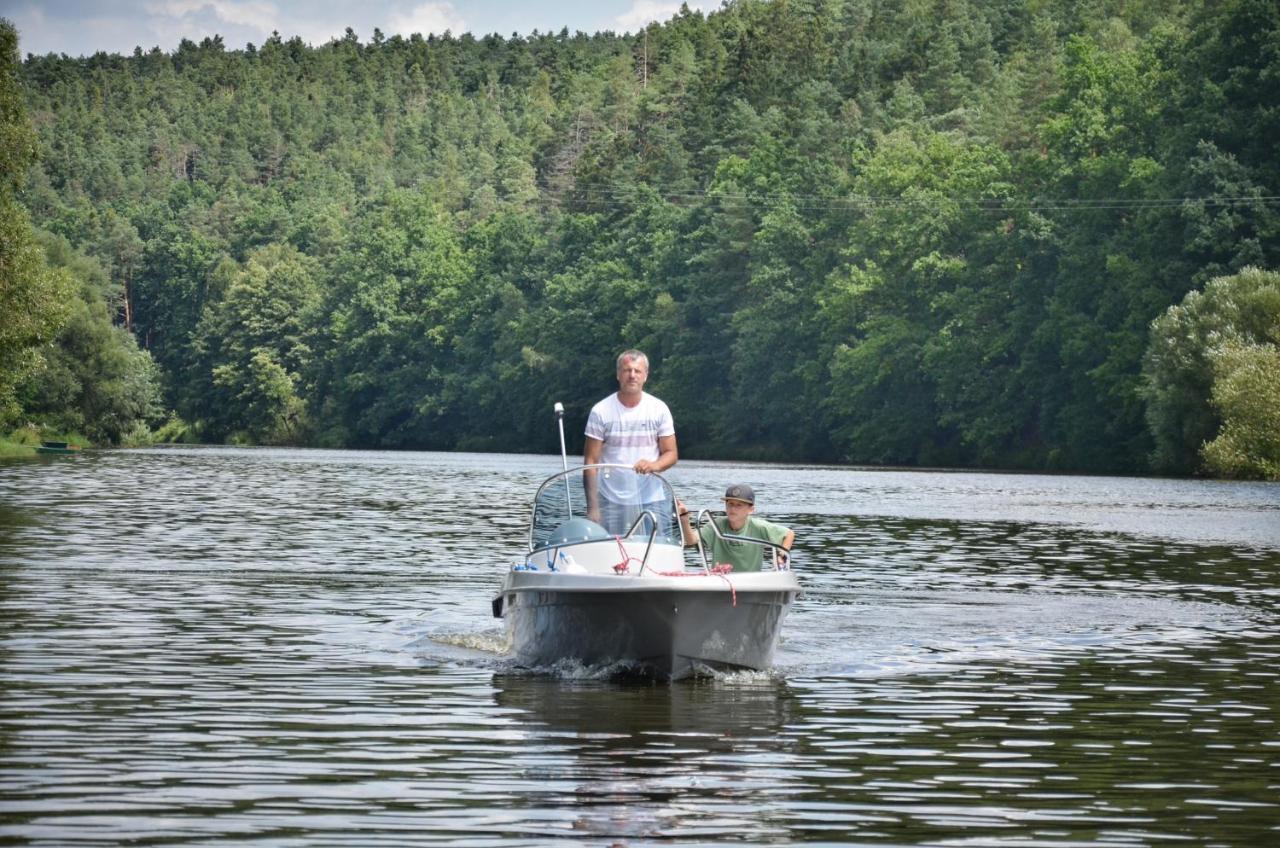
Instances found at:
x=740 y=492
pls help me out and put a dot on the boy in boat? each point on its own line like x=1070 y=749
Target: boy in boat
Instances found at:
x=739 y=503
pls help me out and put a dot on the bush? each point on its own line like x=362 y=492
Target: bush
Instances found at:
x=1202 y=355
x=1246 y=392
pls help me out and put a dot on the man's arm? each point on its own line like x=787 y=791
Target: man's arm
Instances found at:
x=667 y=456
x=591 y=453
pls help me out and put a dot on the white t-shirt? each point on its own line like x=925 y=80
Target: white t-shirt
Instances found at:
x=629 y=433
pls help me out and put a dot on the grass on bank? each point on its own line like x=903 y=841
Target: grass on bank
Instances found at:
x=23 y=441
x=9 y=449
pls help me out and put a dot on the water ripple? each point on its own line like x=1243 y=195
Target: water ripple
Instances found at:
x=295 y=648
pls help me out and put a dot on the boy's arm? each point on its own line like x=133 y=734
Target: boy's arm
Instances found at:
x=686 y=525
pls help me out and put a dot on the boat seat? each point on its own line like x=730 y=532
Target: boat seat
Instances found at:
x=574 y=531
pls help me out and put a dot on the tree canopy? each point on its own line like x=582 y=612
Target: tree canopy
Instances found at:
x=872 y=231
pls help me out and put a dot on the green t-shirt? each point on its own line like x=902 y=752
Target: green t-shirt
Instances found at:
x=743 y=556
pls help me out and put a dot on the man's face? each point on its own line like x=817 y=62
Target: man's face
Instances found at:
x=738 y=512
x=631 y=375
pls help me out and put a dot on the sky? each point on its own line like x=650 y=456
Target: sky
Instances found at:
x=83 y=27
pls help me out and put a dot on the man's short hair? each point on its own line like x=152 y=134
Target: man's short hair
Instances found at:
x=631 y=354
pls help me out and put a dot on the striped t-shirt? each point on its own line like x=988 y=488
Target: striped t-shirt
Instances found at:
x=629 y=433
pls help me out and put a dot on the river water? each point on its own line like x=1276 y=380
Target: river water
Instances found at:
x=221 y=646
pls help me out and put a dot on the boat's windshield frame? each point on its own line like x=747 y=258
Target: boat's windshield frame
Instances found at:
x=574 y=509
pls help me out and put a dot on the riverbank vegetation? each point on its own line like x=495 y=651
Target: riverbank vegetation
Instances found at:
x=868 y=231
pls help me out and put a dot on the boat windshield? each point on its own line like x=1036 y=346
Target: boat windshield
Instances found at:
x=620 y=497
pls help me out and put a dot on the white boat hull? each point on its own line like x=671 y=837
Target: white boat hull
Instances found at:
x=669 y=627
x=621 y=592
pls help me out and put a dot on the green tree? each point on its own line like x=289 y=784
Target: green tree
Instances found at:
x=33 y=297
x=170 y=294
x=1246 y=393
x=93 y=379
x=1205 y=355
x=903 y=231
x=35 y=304
x=923 y=343
x=256 y=351
x=395 y=306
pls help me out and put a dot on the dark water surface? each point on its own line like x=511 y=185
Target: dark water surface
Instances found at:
x=223 y=646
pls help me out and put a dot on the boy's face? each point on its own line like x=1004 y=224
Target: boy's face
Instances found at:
x=738 y=512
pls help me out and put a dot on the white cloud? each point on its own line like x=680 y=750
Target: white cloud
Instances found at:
x=253 y=20
x=263 y=17
x=33 y=28
x=81 y=32
x=81 y=27
x=643 y=12
x=317 y=31
x=426 y=18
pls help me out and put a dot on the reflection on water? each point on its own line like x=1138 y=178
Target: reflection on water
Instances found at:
x=618 y=716
x=651 y=761
x=295 y=647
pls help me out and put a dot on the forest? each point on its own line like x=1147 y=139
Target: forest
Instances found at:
x=1007 y=234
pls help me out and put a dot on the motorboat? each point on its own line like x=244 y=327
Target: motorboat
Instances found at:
x=605 y=582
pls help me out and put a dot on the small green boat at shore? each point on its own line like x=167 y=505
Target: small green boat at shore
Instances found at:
x=57 y=447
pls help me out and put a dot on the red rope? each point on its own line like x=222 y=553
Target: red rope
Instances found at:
x=624 y=566
x=722 y=571
x=718 y=570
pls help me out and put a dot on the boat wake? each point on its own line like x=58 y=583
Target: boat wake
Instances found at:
x=437 y=640
x=445 y=636
x=621 y=671
x=486 y=641
x=888 y=634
